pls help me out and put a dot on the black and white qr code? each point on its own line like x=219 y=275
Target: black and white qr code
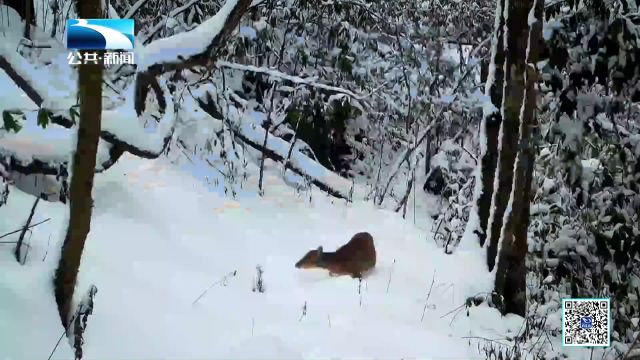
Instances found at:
x=586 y=322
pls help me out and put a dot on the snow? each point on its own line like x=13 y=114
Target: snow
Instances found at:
x=45 y=84
x=124 y=123
x=52 y=143
x=249 y=32
x=151 y=262
x=185 y=44
x=34 y=142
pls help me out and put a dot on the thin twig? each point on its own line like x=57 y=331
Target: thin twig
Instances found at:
x=18 y=250
x=424 y=309
x=15 y=231
x=390 y=272
x=223 y=280
x=450 y=312
x=304 y=311
x=62 y=336
x=47 y=250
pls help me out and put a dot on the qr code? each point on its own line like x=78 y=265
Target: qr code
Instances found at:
x=586 y=322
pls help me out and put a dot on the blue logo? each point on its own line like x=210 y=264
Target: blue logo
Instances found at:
x=100 y=34
x=586 y=322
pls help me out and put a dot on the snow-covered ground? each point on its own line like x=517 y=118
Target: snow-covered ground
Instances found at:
x=159 y=238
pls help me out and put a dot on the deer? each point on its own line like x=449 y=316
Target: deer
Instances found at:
x=356 y=258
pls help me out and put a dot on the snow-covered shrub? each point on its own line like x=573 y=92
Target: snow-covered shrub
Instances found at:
x=584 y=233
x=450 y=178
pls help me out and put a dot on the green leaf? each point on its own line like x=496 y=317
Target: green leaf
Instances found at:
x=43 y=117
x=10 y=122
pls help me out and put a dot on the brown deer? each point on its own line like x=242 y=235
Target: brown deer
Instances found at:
x=355 y=258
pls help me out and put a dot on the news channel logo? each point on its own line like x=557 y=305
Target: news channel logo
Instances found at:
x=100 y=34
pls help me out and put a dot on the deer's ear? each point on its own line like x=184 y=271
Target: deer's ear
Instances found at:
x=319 y=250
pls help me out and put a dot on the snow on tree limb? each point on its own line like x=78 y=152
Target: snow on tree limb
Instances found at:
x=295 y=79
x=122 y=127
x=122 y=130
x=196 y=47
x=27 y=86
x=36 y=150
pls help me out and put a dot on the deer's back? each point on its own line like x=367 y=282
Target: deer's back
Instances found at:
x=355 y=257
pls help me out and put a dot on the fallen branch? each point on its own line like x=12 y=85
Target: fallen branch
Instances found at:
x=207 y=106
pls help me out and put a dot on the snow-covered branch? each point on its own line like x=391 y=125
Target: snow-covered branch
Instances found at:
x=157 y=27
x=134 y=8
x=196 y=47
x=122 y=129
x=294 y=79
x=280 y=150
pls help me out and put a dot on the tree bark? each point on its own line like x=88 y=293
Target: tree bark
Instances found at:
x=84 y=164
x=515 y=39
x=510 y=283
x=490 y=126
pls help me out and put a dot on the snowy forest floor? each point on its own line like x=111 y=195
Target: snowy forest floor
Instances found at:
x=159 y=238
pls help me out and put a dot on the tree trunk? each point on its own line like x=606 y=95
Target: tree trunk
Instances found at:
x=28 y=18
x=84 y=163
x=515 y=40
x=510 y=285
x=490 y=127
